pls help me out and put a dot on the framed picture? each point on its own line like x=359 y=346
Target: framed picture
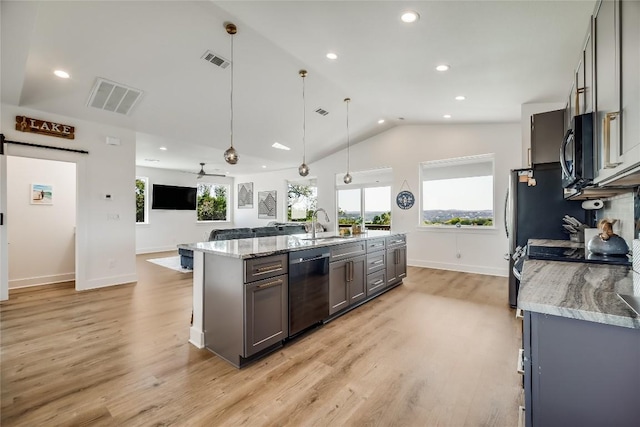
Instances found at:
x=267 y=202
x=245 y=195
x=41 y=194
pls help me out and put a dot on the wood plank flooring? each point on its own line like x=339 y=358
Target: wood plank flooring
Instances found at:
x=439 y=350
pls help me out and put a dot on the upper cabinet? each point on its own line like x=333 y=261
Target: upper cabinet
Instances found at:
x=616 y=40
x=547 y=131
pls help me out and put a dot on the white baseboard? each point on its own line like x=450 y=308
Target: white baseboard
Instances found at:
x=477 y=269
x=108 y=281
x=140 y=251
x=196 y=337
x=41 y=280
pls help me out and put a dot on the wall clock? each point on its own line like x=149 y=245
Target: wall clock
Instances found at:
x=405 y=199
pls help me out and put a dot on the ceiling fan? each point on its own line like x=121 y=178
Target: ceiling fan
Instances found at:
x=203 y=173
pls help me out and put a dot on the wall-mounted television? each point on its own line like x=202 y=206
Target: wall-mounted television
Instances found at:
x=173 y=197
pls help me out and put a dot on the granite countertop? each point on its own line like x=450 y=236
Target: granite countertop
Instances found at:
x=555 y=243
x=578 y=291
x=263 y=246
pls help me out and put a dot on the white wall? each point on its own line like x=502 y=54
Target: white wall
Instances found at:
x=403 y=148
x=105 y=229
x=167 y=228
x=41 y=237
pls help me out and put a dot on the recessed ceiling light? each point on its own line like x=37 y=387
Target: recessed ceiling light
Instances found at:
x=410 y=16
x=442 y=67
x=264 y=166
x=332 y=55
x=460 y=98
x=381 y=121
x=61 y=74
x=163 y=148
x=280 y=146
x=447 y=116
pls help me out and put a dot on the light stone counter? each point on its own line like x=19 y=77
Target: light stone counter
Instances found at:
x=578 y=291
x=264 y=246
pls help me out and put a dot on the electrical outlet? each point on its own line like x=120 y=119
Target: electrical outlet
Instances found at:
x=112 y=263
x=458 y=255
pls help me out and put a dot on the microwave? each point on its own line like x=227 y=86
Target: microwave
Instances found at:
x=577 y=153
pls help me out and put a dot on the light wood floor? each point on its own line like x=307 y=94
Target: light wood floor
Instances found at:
x=439 y=350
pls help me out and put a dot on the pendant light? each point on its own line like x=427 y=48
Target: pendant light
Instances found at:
x=347 y=177
x=303 y=170
x=231 y=155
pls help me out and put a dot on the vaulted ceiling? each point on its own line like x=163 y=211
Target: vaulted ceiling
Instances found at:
x=501 y=54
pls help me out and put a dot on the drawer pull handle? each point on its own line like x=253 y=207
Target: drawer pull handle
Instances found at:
x=608 y=118
x=378 y=282
x=377 y=262
x=520 y=368
x=269 y=268
x=267 y=285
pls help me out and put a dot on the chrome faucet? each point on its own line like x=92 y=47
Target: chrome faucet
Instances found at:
x=314 y=219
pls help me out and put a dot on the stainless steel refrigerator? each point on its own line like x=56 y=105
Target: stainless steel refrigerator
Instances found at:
x=536 y=212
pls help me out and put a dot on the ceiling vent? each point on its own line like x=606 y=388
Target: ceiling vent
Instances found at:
x=114 y=97
x=322 y=112
x=215 y=59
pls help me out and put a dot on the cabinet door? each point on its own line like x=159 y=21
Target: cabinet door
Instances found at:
x=630 y=28
x=401 y=264
x=357 y=282
x=391 y=266
x=607 y=65
x=547 y=132
x=266 y=313
x=587 y=93
x=338 y=287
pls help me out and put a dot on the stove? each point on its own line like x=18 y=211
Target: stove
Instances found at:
x=553 y=253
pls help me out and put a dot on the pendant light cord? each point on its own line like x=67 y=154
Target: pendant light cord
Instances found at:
x=304 y=124
x=347 y=100
x=231 y=103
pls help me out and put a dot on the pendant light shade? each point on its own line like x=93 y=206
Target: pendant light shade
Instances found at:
x=347 y=177
x=231 y=155
x=303 y=170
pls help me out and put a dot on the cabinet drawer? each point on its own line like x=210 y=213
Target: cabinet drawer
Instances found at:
x=374 y=245
x=395 y=241
x=347 y=251
x=265 y=267
x=376 y=282
x=375 y=261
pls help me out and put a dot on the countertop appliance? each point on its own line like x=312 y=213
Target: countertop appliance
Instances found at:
x=536 y=212
x=308 y=289
x=576 y=153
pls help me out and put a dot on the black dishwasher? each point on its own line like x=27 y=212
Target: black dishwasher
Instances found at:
x=308 y=288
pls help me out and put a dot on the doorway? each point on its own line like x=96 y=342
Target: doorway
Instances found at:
x=41 y=221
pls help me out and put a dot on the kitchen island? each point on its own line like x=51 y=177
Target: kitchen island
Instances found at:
x=581 y=342
x=241 y=287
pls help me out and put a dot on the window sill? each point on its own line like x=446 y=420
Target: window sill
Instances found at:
x=142 y=223
x=461 y=229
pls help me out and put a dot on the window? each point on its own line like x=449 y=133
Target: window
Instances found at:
x=367 y=200
x=302 y=200
x=458 y=191
x=142 y=201
x=212 y=202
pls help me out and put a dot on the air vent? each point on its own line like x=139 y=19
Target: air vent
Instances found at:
x=114 y=97
x=322 y=112
x=215 y=59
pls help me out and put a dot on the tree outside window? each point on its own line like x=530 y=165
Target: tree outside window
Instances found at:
x=302 y=201
x=142 y=184
x=212 y=202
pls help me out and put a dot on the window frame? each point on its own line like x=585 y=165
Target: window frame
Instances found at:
x=228 y=200
x=481 y=158
x=146 y=201
x=362 y=187
x=309 y=183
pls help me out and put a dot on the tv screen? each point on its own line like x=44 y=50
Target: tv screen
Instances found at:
x=173 y=197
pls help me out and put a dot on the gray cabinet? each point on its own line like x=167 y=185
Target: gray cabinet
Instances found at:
x=347 y=284
x=547 y=131
x=396 y=261
x=580 y=373
x=630 y=78
x=265 y=316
